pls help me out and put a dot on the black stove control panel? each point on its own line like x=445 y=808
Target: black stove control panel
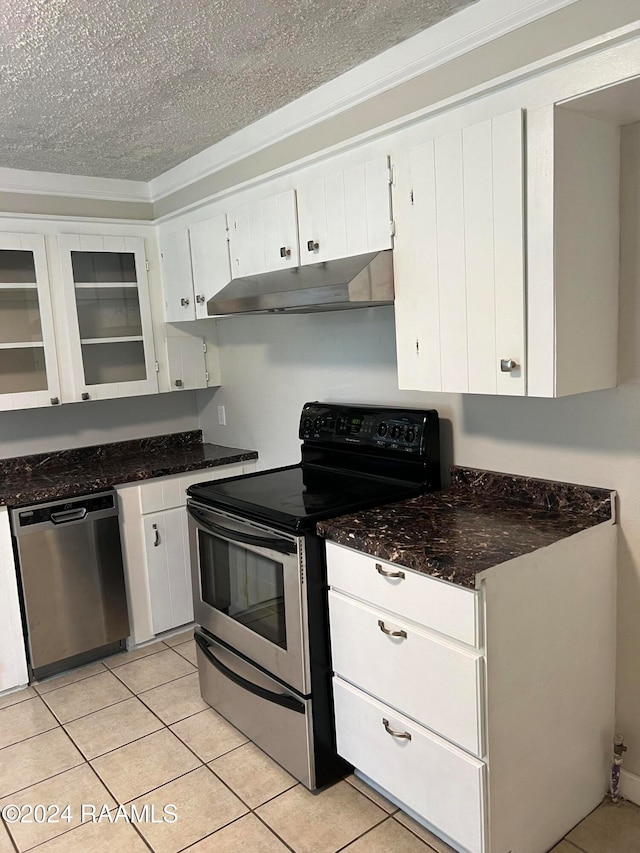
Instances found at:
x=400 y=430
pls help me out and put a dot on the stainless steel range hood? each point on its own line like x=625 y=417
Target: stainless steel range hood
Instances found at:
x=361 y=281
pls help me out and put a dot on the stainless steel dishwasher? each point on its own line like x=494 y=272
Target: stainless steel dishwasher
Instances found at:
x=72 y=580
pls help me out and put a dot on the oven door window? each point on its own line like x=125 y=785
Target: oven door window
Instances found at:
x=244 y=585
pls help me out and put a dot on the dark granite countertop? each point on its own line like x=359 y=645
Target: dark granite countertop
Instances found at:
x=485 y=518
x=46 y=476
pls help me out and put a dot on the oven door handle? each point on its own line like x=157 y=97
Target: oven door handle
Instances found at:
x=282 y=546
x=278 y=698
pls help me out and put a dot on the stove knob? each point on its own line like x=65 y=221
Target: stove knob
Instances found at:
x=382 y=429
x=410 y=435
x=317 y=424
x=306 y=425
x=395 y=432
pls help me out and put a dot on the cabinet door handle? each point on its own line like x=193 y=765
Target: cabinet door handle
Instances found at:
x=390 y=633
x=179 y=383
x=508 y=364
x=156 y=535
x=312 y=246
x=184 y=302
x=200 y=298
x=386 y=574
x=55 y=401
x=390 y=731
x=284 y=252
x=85 y=395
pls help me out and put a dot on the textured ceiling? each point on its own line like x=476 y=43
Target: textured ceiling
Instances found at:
x=130 y=88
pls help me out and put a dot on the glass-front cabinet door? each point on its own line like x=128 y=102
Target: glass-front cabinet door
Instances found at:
x=28 y=366
x=111 y=337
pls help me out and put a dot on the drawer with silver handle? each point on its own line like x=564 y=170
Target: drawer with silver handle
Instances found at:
x=434 y=681
x=439 y=782
x=436 y=604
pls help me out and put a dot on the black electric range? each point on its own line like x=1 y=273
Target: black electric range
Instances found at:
x=353 y=457
x=259 y=572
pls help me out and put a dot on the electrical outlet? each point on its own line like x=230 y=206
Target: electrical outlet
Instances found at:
x=222 y=416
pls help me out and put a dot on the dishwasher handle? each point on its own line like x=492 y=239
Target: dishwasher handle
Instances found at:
x=68 y=515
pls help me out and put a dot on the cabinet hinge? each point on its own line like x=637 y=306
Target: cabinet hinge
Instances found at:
x=392 y=175
x=206 y=376
x=392 y=228
x=411 y=196
x=204 y=346
x=157 y=367
x=146 y=265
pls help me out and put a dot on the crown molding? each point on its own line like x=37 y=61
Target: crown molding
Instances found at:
x=470 y=28
x=77 y=186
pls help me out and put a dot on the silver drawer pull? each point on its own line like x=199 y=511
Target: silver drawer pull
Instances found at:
x=386 y=574
x=390 y=731
x=389 y=633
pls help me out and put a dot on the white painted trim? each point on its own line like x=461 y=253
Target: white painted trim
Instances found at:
x=478 y=24
x=630 y=786
x=79 y=186
x=473 y=26
x=58 y=217
x=519 y=75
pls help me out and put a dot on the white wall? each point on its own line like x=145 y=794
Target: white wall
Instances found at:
x=96 y=422
x=272 y=365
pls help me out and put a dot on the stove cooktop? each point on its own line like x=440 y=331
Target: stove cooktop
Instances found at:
x=298 y=496
x=353 y=457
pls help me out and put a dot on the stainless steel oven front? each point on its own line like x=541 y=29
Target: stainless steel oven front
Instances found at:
x=248 y=590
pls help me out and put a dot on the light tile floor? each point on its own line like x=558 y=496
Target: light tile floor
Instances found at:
x=133 y=731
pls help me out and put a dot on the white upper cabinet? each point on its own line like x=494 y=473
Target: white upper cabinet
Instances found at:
x=210 y=263
x=573 y=222
x=109 y=316
x=346 y=213
x=506 y=256
x=28 y=363
x=343 y=213
x=195 y=266
x=177 y=276
x=459 y=261
x=263 y=235
x=186 y=362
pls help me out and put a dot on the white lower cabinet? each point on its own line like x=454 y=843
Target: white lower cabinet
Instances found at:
x=429 y=775
x=13 y=657
x=155 y=544
x=166 y=540
x=488 y=713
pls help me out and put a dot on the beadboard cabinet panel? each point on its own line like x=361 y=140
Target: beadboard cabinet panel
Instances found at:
x=263 y=235
x=345 y=213
x=460 y=288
